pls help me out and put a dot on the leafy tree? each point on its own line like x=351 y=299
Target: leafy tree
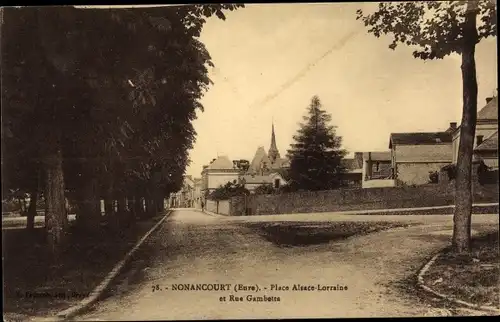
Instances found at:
x=436 y=29
x=230 y=189
x=315 y=157
x=265 y=189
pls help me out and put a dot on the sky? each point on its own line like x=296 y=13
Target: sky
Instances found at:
x=271 y=59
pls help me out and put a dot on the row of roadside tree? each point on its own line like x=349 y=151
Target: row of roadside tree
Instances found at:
x=97 y=104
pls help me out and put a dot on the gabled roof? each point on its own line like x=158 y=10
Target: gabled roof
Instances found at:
x=420 y=138
x=260 y=156
x=490 y=111
x=221 y=163
x=489 y=144
x=377 y=156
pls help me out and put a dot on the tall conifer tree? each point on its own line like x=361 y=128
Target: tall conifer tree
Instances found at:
x=315 y=156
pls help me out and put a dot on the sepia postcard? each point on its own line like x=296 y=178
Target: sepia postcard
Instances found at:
x=250 y=161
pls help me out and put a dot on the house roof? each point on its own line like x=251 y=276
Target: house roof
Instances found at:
x=490 y=111
x=490 y=144
x=221 y=163
x=420 y=138
x=280 y=163
x=257 y=179
x=377 y=156
x=260 y=156
x=350 y=163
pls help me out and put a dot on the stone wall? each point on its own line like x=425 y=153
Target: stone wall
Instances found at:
x=417 y=173
x=354 y=199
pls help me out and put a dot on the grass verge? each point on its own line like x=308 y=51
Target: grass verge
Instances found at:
x=474 y=279
x=33 y=287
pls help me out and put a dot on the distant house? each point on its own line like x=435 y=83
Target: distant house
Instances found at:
x=486 y=140
x=197 y=192
x=185 y=196
x=487 y=151
x=251 y=181
x=265 y=168
x=377 y=170
x=354 y=169
x=415 y=155
x=219 y=172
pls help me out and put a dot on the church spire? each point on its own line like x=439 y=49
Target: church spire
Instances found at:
x=273 y=150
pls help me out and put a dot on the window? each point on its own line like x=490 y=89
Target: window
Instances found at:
x=276 y=183
x=377 y=166
x=479 y=139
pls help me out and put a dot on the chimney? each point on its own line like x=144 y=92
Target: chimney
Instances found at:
x=453 y=125
x=488 y=99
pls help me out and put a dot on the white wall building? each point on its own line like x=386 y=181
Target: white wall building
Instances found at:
x=219 y=172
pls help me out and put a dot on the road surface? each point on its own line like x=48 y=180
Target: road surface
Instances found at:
x=193 y=248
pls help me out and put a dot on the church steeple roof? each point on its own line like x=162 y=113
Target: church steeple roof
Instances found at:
x=273 y=149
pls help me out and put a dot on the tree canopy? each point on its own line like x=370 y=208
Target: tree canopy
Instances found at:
x=434 y=29
x=110 y=92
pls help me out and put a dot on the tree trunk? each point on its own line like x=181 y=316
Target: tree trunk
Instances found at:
x=160 y=203
x=108 y=206
x=131 y=207
x=463 y=188
x=149 y=207
x=56 y=220
x=121 y=206
x=88 y=216
x=139 y=207
x=30 y=222
x=121 y=211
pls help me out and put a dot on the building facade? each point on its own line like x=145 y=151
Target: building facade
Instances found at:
x=219 y=172
x=377 y=170
x=184 y=198
x=415 y=155
x=198 y=183
x=252 y=181
x=486 y=139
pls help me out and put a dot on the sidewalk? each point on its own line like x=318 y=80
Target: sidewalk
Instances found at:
x=479 y=208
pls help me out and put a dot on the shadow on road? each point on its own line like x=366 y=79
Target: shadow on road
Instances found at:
x=301 y=234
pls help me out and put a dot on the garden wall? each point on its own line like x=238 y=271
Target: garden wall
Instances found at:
x=218 y=207
x=355 y=199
